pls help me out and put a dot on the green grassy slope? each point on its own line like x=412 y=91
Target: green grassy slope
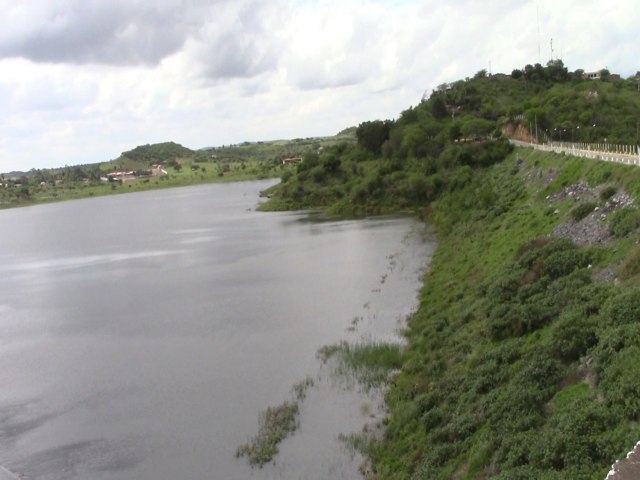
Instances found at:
x=523 y=360
x=521 y=363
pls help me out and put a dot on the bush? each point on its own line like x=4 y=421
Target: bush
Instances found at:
x=613 y=340
x=624 y=221
x=608 y=192
x=623 y=308
x=620 y=382
x=582 y=210
x=527 y=472
x=631 y=264
x=561 y=263
x=507 y=320
x=572 y=335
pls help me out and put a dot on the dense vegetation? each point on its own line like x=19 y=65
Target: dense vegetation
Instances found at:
x=406 y=163
x=522 y=363
x=523 y=359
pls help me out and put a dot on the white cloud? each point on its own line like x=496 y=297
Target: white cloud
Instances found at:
x=82 y=81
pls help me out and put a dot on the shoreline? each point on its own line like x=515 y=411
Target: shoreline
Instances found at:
x=93 y=191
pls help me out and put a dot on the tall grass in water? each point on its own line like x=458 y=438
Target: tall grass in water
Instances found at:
x=369 y=362
x=275 y=424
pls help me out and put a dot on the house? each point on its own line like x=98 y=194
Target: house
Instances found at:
x=291 y=160
x=591 y=75
x=122 y=176
x=158 y=170
x=599 y=74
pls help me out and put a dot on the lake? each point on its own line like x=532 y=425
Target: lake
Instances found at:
x=141 y=335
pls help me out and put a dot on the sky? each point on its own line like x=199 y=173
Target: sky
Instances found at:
x=83 y=80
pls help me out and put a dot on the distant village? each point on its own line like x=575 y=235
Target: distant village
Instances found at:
x=129 y=176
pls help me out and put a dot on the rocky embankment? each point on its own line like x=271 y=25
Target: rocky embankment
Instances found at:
x=588 y=231
x=592 y=229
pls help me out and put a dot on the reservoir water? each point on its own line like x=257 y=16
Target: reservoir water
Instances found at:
x=141 y=335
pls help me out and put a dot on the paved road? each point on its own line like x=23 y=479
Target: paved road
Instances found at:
x=575 y=150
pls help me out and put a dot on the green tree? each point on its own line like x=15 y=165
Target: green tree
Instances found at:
x=438 y=108
x=605 y=75
x=372 y=135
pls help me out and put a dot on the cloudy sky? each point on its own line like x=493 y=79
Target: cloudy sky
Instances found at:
x=83 y=80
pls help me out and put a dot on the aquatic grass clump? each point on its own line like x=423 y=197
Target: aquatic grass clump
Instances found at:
x=357 y=442
x=369 y=362
x=300 y=389
x=275 y=424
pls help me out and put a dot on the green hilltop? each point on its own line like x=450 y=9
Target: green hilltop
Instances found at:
x=523 y=359
x=408 y=162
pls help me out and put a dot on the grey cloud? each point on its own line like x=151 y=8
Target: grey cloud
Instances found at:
x=320 y=79
x=222 y=39
x=243 y=44
x=105 y=32
x=233 y=56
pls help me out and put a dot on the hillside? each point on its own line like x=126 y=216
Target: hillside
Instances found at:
x=159 y=165
x=523 y=359
x=405 y=163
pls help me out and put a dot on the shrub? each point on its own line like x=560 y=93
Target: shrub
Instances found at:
x=631 y=264
x=561 y=263
x=613 y=340
x=582 y=210
x=563 y=291
x=507 y=320
x=608 y=192
x=623 y=308
x=532 y=245
x=620 y=382
x=572 y=335
x=527 y=472
x=624 y=221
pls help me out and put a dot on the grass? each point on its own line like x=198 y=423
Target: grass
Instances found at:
x=370 y=363
x=275 y=424
x=300 y=389
x=455 y=405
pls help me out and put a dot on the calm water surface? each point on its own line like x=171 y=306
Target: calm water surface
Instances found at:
x=141 y=335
